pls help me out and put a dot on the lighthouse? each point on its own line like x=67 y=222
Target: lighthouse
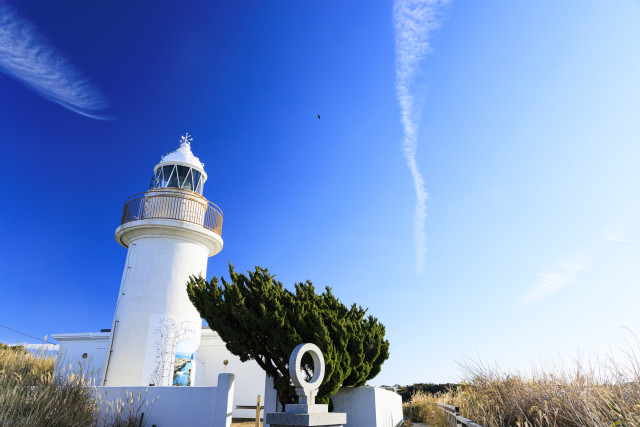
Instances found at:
x=169 y=231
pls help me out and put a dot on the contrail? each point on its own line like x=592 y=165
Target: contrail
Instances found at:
x=27 y=57
x=414 y=20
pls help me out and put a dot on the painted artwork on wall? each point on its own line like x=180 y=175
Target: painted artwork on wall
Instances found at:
x=183 y=364
x=173 y=343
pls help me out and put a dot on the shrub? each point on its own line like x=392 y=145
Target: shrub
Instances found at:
x=259 y=319
x=429 y=388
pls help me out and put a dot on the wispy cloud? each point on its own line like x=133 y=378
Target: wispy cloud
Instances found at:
x=553 y=280
x=414 y=22
x=27 y=57
x=614 y=237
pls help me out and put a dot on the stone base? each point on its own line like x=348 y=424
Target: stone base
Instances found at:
x=289 y=419
x=306 y=409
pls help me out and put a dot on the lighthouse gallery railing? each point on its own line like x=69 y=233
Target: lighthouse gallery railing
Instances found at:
x=191 y=208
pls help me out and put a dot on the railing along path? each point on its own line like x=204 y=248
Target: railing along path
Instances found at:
x=191 y=207
x=453 y=417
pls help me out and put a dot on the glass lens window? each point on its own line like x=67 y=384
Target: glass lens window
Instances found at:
x=184 y=178
x=173 y=179
x=196 y=180
x=164 y=179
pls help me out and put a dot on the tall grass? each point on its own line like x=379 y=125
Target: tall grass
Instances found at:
x=31 y=395
x=423 y=407
x=587 y=394
x=128 y=412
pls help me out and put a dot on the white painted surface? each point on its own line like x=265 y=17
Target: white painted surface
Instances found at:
x=271 y=403
x=168 y=229
x=249 y=376
x=182 y=156
x=369 y=406
x=179 y=406
x=153 y=284
x=154 y=318
x=74 y=346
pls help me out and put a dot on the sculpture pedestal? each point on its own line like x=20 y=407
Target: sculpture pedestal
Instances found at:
x=305 y=416
x=306 y=413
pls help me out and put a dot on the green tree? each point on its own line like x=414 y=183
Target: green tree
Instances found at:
x=261 y=320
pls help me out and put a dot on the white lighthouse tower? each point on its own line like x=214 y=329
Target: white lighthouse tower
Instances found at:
x=170 y=231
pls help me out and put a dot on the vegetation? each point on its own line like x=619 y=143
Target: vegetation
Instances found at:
x=426 y=388
x=259 y=319
x=30 y=395
x=423 y=407
x=594 y=395
x=17 y=348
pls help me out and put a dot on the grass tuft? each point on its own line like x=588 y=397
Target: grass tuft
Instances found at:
x=31 y=395
x=599 y=394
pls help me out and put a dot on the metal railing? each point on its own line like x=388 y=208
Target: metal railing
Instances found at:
x=453 y=417
x=191 y=207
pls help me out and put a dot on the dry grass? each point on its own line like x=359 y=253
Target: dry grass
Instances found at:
x=424 y=407
x=30 y=395
x=600 y=394
x=127 y=413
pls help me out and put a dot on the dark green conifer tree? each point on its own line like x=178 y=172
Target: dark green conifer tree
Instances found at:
x=261 y=320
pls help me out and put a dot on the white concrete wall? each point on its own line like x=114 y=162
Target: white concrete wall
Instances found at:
x=369 y=406
x=153 y=284
x=74 y=346
x=271 y=403
x=249 y=377
x=177 y=406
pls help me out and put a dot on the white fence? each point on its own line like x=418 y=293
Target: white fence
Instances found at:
x=175 y=406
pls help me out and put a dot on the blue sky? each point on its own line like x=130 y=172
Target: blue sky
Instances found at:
x=527 y=141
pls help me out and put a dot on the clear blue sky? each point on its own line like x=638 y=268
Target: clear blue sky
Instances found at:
x=528 y=142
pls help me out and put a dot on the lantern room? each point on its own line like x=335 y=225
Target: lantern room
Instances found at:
x=180 y=169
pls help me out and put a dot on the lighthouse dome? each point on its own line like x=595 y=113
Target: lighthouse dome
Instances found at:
x=180 y=169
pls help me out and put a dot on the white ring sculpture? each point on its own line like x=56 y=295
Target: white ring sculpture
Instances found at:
x=306 y=391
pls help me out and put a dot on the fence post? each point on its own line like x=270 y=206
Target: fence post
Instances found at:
x=258 y=412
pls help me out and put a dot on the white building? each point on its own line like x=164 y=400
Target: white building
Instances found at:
x=156 y=338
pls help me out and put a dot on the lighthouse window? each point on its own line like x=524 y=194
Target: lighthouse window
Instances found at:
x=172 y=178
x=166 y=173
x=184 y=178
x=196 y=181
x=177 y=176
x=156 y=181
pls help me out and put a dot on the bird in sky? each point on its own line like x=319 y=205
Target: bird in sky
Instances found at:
x=318 y=115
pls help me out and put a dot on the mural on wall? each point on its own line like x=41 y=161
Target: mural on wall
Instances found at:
x=183 y=363
x=173 y=350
